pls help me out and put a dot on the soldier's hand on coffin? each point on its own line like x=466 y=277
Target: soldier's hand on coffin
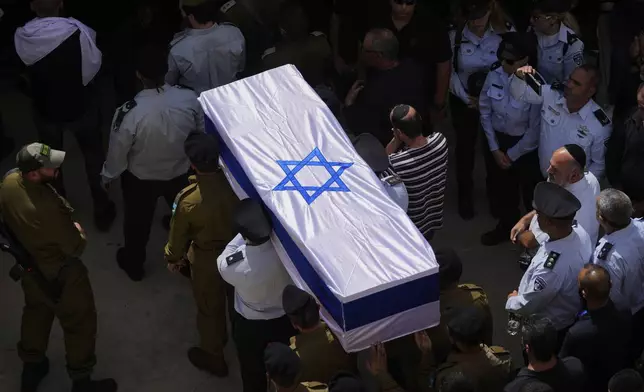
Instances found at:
x=523 y=71
x=423 y=342
x=377 y=361
x=358 y=85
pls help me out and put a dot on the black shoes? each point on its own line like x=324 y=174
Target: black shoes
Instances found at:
x=498 y=235
x=104 y=217
x=465 y=208
x=87 y=385
x=133 y=270
x=203 y=360
x=33 y=374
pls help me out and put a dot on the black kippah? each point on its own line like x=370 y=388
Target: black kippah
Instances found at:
x=577 y=153
x=399 y=113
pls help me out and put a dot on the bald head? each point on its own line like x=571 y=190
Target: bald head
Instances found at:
x=594 y=283
x=564 y=168
x=46 y=8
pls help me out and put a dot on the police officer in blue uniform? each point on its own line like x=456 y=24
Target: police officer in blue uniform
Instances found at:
x=549 y=286
x=560 y=49
x=621 y=252
x=475 y=47
x=512 y=131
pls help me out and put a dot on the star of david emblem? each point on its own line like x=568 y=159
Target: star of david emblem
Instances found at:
x=310 y=193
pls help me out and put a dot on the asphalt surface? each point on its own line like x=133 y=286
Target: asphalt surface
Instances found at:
x=146 y=328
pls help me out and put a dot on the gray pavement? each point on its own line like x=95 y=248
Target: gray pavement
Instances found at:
x=146 y=328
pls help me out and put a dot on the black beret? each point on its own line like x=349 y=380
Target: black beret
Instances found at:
x=345 y=382
x=516 y=46
x=372 y=151
x=283 y=365
x=554 y=201
x=467 y=323
x=295 y=299
x=577 y=153
x=553 y=6
x=252 y=222
x=475 y=9
x=202 y=150
x=450 y=267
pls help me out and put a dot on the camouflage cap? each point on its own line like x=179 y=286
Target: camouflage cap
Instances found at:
x=36 y=155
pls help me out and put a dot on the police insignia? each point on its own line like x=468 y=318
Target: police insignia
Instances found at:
x=583 y=131
x=123 y=110
x=551 y=261
x=578 y=59
x=45 y=150
x=603 y=252
x=539 y=284
x=224 y=8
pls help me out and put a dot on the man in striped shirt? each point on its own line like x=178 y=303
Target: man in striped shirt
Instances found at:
x=421 y=162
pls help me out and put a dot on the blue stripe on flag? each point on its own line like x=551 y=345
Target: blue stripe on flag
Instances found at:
x=352 y=314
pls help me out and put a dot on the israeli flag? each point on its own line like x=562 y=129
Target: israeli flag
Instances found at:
x=336 y=230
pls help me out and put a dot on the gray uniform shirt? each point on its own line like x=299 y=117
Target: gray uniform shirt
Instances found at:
x=203 y=59
x=148 y=134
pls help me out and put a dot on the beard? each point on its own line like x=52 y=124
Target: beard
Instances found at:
x=552 y=179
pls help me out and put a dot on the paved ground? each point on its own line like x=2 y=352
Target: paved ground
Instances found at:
x=145 y=328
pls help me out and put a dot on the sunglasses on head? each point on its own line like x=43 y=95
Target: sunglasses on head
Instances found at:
x=405 y=2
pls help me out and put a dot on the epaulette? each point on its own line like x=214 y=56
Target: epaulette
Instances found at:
x=317 y=34
x=293 y=343
x=269 y=52
x=227 y=6
x=572 y=38
x=558 y=86
x=123 y=110
x=604 y=251
x=495 y=65
x=509 y=26
x=470 y=287
x=315 y=386
x=552 y=260
x=185 y=192
x=178 y=37
x=393 y=180
x=601 y=117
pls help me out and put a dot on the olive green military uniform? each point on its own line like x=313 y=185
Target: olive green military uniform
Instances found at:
x=202 y=225
x=42 y=221
x=311 y=56
x=322 y=355
x=312 y=387
x=403 y=354
x=489 y=369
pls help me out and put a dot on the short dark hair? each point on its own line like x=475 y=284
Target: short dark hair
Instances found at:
x=456 y=381
x=293 y=20
x=383 y=41
x=308 y=317
x=595 y=75
x=203 y=13
x=536 y=386
x=410 y=125
x=152 y=63
x=627 y=380
x=541 y=338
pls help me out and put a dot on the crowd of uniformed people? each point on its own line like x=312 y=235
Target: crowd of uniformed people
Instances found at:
x=556 y=108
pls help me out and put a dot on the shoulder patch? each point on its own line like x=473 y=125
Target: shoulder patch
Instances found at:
x=572 y=38
x=557 y=86
x=269 y=52
x=122 y=111
x=185 y=192
x=601 y=117
x=227 y=6
x=509 y=26
x=178 y=38
x=578 y=58
x=495 y=65
x=551 y=261
x=539 y=284
x=393 y=180
x=604 y=251
x=315 y=386
x=470 y=287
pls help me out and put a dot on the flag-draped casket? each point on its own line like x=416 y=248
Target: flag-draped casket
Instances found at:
x=336 y=230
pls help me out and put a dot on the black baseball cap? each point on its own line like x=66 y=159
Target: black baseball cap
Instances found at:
x=578 y=154
x=475 y=9
x=283 y=365
x=37 y=155
x=516 y=46
x=202 y=150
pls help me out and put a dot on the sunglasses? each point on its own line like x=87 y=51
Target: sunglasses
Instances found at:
x=405 y=2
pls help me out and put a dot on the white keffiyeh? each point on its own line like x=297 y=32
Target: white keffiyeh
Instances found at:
x=41 y=36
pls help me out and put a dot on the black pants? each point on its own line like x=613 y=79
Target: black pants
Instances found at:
x=251 y=338
x=140 y=200
x=638 y=336
x=466 y=124
x=506 y=188
x=87 y=132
